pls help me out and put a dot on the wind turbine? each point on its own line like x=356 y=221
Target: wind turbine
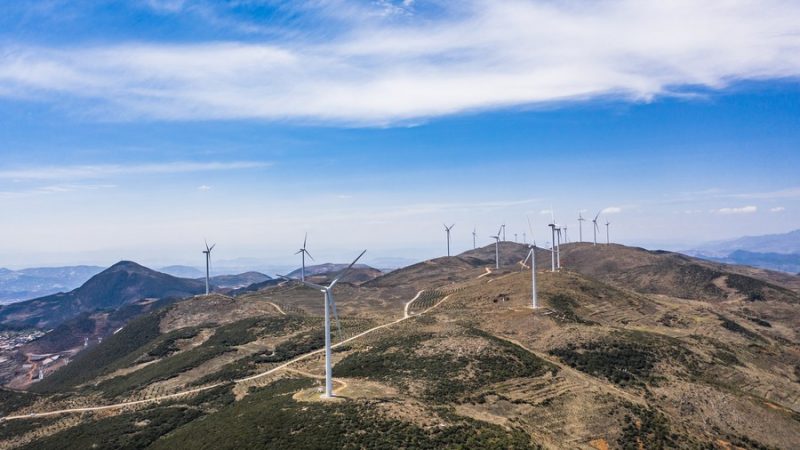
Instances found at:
x=532 y=257
x=447 y=230
x=566 y=239
x=608 y=241
x=515 y=237
x=553 y=247
x=207 y=252
x=580 y=226
x=524 y=238
x=474 y=234
x=303 y=252
x=596 y=228
x=503 y=227
x=330 y=305
x=497 y=248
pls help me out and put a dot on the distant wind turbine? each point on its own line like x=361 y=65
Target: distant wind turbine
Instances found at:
x=497 y=248
x=608 y=241
x=580 y=226
x=532 y=257
x=503 y=227
x=330 y=306
x=447 y=230
x=596 y=228
x=474 y=238
x=207 y=252
x=303 y=252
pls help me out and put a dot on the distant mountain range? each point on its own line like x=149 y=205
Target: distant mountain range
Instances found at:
x=16 y=285
x=772 y=251
x=121 y=284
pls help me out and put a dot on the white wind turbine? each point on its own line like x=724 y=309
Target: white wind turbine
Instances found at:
x=474 y=238
x=207 y=252
x=503 y=227
x=552 y=247
x=608 y=241
x=596 y=228
x=580 y=226
x=447 y=230
x=330 y=306
x=497 y=248
x=532 y=257
x=303 y=252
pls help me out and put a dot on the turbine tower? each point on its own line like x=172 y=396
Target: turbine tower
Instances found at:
x=497 y=248
x=580 y=226
x=503 y=227
x=207 y=252
x=330 y=306
x=515 y=237
x=566 y=239
x=474 y=237
x=447 y=230
x=532 y=257
x=553 y=247
x=303 y=252
x=596 y=228
x=608 y=241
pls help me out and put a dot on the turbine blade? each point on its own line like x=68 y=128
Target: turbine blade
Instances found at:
x=305 y=239
x=527 y=257
x=212 y=247
x=306 y=283
x=342 y=273
x=309 y=255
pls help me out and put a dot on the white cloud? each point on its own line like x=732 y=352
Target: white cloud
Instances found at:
x=777 y=209
x=546 y=212
x=204 y=188
x=105 y=170
x=474 y=55
x=611 y=210
x=742 y=210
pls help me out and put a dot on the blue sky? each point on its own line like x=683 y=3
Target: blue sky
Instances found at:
x=135 y=129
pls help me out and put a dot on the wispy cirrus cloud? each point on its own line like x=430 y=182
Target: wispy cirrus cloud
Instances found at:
x=52 y=189
x=777 y=209
x=740 y=210
x=373 y=70
x=79 y=172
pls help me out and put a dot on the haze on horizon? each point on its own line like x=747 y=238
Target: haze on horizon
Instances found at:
x=134 y=130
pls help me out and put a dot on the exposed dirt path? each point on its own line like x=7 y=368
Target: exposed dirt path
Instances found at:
x=408 y=303
x=280 y=310
x=488 y=272
x=242 y=380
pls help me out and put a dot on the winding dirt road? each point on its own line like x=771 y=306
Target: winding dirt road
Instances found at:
x=242 y=380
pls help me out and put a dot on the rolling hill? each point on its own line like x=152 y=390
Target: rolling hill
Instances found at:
x=123 y=283
x=323 y=273
x=629 y=349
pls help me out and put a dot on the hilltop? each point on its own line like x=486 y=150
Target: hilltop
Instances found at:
x=120 y=284
x=629 y=349
x=324 y=273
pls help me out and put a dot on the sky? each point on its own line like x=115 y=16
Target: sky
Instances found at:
x=135 y=130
